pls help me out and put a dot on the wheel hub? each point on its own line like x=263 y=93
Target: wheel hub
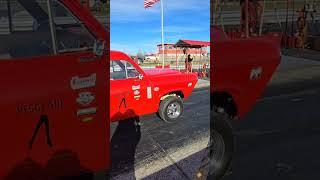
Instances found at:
x=174 y=110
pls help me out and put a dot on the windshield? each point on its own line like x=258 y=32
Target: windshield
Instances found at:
x=26 y=28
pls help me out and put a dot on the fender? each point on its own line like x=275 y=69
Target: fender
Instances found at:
x=242 y=68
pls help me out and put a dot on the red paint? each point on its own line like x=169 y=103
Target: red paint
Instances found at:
x=233 y=62
x=37 y=86
x=196 y=43
x=166 y=80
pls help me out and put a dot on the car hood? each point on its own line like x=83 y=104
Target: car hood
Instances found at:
x=160 y=72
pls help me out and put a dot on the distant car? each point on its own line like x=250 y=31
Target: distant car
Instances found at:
x=137 y=92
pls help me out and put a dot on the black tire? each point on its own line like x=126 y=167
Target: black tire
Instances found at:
x=165 y=104
x=221 y=134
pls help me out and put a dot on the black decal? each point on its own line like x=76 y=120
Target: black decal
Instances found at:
x=43 y=120
x=124 y=102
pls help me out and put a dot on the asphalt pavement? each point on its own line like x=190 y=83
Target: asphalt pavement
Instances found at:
x=279 y=138
x=158 y=150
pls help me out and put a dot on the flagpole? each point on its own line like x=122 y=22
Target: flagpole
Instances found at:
x=162 y=31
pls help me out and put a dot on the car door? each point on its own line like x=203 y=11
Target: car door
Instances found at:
x=119 y=92
x=53 y=95
x=128 y=90
x=140 y=94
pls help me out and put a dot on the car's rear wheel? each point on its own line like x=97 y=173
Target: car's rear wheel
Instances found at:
x=221 y=145
x=170 y=109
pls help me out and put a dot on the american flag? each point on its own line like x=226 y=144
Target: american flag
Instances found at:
x=149 y=3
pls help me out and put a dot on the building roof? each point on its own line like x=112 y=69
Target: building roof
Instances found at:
x=192 y=43
x=165 y=44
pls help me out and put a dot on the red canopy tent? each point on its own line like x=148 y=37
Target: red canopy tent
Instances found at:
x=186 y=44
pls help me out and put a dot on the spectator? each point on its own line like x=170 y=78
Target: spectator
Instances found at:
x=189 y=63
x=302 y=30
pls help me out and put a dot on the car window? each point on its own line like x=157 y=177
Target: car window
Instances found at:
x=131 y=70
x=25 y=29
x=120 y=69
x=71 y=33
x=117 y=70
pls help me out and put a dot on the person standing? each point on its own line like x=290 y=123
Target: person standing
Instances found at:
x=302 y=30
x=189 y=62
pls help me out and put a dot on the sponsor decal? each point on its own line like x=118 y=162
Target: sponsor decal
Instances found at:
x=156 y=89
x=87 y=119
x=137 y=97
x=189 y=84
x=85 y=98
x=87 y=111
x=256 y=73
x=83 y=82
x=135 y=87
x=149 y=93
x=136 y=92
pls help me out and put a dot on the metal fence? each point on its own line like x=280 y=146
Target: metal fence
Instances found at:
x=280 y=16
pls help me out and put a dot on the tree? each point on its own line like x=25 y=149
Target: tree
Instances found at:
x=141 y=56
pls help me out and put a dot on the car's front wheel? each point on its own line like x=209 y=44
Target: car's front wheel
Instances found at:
x=170 y=109
x=221 y=145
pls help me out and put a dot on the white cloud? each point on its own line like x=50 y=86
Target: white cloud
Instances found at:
x=133 y=48
x=178 y=29
x=128 y=10
x=133 y=11
x=183 y=5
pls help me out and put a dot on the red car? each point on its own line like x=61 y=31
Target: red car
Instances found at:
x=54 y=92
x=137 y=92
x=240 y=72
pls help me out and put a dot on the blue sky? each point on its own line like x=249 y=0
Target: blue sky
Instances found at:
x=134 y=28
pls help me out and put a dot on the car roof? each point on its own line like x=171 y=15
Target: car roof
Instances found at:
x=118 y=55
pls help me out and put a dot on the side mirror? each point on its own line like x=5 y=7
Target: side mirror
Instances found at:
x=99 y=47
x=140 y=76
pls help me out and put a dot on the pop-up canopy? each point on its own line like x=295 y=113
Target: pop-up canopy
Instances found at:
x=187 y=44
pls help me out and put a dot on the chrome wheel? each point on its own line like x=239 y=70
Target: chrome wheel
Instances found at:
x=174 y=110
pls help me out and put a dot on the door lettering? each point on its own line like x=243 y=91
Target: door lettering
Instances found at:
x=124 y=102
x=53 y=104
x=43 y=120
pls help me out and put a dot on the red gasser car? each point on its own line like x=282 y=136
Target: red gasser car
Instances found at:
x=240 y=72
x=54 y=92
x=137 y=92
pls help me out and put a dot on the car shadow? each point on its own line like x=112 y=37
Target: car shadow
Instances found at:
x=123 y=145
x=63 y=165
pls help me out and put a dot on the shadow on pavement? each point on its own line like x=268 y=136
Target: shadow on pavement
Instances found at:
x=123 y=145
